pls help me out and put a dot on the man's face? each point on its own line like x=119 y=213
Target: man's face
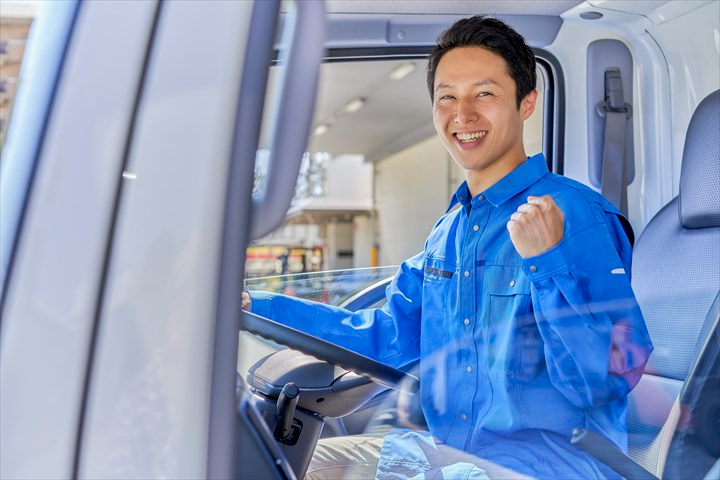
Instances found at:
x=475 y=111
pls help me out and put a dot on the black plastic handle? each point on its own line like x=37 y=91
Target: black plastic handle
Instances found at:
x=286 y=404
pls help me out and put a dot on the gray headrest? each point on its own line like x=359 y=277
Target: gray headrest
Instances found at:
x=700 y=174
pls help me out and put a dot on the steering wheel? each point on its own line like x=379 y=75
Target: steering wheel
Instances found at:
x=329 y=352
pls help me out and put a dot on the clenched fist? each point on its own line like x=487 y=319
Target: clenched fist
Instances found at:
x=536 y=226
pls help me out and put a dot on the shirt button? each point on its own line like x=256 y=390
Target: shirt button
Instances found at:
x=467 y=274
x=468 y=369
x=463 y=417
x=481 y=197
x=466 y=321
x=476 y=228
x=533 y=268
x=512 y=283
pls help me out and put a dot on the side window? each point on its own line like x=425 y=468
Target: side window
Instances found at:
x=15 y=27
x=41 y=55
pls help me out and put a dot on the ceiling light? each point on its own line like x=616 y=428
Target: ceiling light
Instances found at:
x=354 y=105
x=591 y=15
x=402 y=71
x=320 y=129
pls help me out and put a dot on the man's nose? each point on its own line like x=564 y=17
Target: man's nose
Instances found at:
x=466 y=112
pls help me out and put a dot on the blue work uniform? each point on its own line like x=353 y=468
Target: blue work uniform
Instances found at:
x=514 y=353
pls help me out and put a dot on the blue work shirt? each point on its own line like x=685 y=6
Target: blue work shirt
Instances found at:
x=511 y=350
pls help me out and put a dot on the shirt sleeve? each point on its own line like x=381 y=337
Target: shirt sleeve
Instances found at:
x=596 y=341
x=390 y=334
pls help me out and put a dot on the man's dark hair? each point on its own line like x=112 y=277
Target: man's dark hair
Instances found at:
x=496 y=36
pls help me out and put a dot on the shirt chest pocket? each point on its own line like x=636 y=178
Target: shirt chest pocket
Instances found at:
x=439 y=282
x=508 y=293
x=513 y=335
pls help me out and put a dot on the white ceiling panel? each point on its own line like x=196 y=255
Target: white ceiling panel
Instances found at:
x=461 y=7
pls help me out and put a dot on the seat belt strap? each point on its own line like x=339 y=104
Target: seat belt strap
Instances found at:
x=614 y=168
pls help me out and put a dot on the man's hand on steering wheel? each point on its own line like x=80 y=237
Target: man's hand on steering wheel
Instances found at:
x=246 y=301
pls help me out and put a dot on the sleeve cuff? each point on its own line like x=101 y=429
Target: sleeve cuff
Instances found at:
x=261 y=303
x=554 y=261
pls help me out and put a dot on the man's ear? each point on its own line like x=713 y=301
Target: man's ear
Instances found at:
x=527 y=105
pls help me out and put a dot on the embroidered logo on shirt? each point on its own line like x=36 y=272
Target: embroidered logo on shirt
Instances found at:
x=617 y=271
x=437 y=272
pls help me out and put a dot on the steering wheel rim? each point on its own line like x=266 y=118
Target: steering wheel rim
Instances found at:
x=329 y=352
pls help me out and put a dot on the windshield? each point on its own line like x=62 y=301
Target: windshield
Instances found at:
x=326 y=287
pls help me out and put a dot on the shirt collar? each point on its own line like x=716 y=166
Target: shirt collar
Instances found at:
x=524 y=175
x=462 y=196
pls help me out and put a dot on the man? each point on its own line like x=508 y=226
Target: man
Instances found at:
x=283 y=261
x=519 y=308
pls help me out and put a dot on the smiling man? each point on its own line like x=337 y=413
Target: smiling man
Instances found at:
x=519 y=307
x=478 y=114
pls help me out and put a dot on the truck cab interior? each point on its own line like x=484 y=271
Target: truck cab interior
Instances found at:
x=673 y=412
x=673 y=390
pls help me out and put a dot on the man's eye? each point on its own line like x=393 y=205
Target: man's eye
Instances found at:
x=445 y=97
x=484 y=94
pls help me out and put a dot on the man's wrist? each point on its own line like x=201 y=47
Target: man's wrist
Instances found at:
x=551 y=262
x=260 y=303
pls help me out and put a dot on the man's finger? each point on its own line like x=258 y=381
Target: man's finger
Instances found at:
x=526 y=208
x=544 y=201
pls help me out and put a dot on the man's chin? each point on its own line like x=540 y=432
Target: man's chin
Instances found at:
x=472 y=165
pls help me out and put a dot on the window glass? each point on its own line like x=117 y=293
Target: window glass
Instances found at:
x=51 y=25
x=15 y=22
x=333 y=287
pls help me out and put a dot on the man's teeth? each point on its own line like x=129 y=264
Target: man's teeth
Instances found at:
x=470 y=137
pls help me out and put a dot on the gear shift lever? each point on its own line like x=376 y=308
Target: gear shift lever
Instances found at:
x=286 y=403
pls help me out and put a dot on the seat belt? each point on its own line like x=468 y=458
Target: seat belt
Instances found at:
x=616 y=113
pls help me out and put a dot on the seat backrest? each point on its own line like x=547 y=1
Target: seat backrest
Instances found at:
x=676 y=279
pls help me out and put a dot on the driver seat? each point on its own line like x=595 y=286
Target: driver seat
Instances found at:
x=676 y=279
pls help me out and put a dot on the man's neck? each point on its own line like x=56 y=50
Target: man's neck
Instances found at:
x=480 y=180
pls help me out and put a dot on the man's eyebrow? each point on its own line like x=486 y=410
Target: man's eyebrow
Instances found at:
x=479 y=83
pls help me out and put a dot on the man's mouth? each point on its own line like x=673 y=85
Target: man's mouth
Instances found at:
x=470 y=137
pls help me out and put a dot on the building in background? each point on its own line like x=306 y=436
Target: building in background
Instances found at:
x=328 y=226
x=15 y=21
